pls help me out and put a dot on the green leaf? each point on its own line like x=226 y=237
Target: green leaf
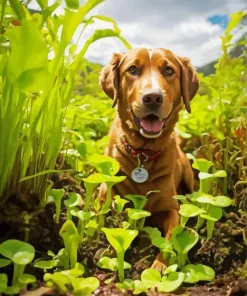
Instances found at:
x=17 y=251
x=171 y=268
x=172 y=282
x=188 y=210
x=105 y=164
x=73 y=4
x=27 y=279
x=111 y=263
x=202 y=165
x=4 y=262
x=150 y=277
x=32 y=71
x=136 y=214
x=198 y=272
x=119 y=203
x=163 y=244
x=45 y=264
x=139 y=201
x=3 y=282
x=204 y=176
x=120 y=239
x=183 y=239
x=220 y=174
x=220 y=201
x=74 y=200
x=84 y=286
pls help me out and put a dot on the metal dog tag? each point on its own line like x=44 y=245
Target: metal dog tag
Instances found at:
x=139 y=175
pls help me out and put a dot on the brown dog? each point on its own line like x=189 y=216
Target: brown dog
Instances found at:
x=146 y=87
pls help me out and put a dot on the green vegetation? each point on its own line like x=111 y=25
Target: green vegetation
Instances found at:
x=57 y=122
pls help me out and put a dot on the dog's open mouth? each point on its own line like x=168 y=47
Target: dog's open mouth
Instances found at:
x=150 y=125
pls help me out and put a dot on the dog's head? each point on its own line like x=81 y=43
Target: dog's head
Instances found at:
x=147 y=85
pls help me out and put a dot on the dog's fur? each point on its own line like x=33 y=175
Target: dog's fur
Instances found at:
x=171 y=168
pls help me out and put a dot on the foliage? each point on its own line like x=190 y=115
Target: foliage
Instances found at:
x=35 y=95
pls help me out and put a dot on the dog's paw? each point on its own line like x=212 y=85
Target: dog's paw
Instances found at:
x=158 y=265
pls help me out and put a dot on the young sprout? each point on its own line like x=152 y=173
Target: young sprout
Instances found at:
x=20 y=253
x=72 y=202
x=135 y=215
x=183 y=239
x=56 y=195
x=187 y=211
x=120 y=239
x=83 y=217
x=139 y=201
x=164 y=245
x=71 y=240
x=151 y=279
x=213 y=205
x=105 y=164
x=202 y=165
x=119 y=203
x=206 y=180
x=111 y=263
x=198 y=272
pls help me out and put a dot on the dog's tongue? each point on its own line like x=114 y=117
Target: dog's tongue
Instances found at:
x=151 y=125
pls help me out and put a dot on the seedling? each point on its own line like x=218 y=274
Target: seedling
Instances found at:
x=105 y=164
x=135 y=215
x=111 y=263
x=59 y=260
x=139 y=201
x=187 y=211
x=183 y=239
x=71 y=281
x=83 y=218
x=72 y=202
x=119 y=203
x=120 y=239
x=71 y=240
x=198 y=272
x=21 y=254
x=213 y=205
x=56 y=195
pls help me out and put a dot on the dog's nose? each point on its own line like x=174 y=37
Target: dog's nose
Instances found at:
x=152 y=98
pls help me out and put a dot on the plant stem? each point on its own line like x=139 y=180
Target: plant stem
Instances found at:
x=210 y=229
x=182 y=258
x=108 y=197
x=199 y=223
x=58 y=209
x=183 y=220
x=120 y=259
x=18 y=271
x=89 y=192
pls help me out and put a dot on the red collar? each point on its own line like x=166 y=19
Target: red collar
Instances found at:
x=144 y=154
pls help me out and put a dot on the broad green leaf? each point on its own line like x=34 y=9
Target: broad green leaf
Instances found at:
x=120 y=239
x=17 y=251
x=220 y=174
x=74 y=200
x=171 y=282
x=220 y=201
x=85 y=286
x=111 y=263
x=183 y=239
x=136 y=214
x=198 y=272
x=73 y=4
x=45 y=264
x=150 y=277
x=3 y=282
x=202 y=165
x=163 y=244
x=139 y=201
x=105 y=164
x=32 y=71
x=171 y=268
x=27 y=279
x=188 y=210
x=4 y=262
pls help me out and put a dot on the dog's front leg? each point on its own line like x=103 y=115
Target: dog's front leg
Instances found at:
x=167 y=222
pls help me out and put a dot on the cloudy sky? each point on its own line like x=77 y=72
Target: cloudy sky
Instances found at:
x=189 y=28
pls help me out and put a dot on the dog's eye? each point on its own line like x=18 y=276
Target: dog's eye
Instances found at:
x=168 y=71
x=133 y=70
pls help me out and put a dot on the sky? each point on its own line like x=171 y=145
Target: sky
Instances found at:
x=190 y=28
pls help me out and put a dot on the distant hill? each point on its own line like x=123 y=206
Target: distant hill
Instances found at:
x=235 y=52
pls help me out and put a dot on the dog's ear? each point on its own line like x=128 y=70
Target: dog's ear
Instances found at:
x=189 y=82
x=109 y=78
